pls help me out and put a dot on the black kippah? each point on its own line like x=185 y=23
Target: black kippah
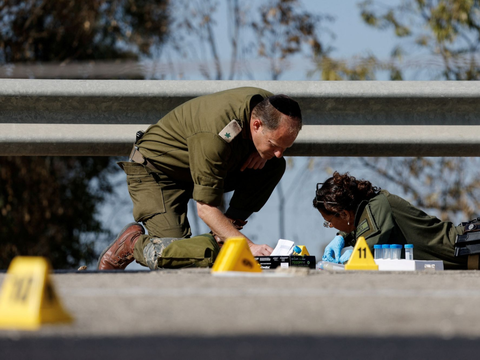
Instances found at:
x=286 y=105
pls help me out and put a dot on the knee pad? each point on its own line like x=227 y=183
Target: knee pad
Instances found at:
x=154 y=249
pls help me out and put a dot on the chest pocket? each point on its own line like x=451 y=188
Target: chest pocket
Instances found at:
x=367 y=226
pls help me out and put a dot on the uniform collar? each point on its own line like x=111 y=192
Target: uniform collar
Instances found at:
x=359 y=212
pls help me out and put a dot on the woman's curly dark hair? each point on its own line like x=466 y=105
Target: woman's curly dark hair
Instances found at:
x=343 y=192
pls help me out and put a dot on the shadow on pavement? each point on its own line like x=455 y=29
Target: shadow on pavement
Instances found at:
x=241 y=347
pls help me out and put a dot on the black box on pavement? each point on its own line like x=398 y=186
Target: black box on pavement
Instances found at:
x=272 y=262
x=467 y=244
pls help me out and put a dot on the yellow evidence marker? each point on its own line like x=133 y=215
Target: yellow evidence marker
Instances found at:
x=303 y=251
x=27 y=298
x=235 y=255
x=361 y=258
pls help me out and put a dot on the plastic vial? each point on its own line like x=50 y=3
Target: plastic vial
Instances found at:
x=395 y=251
x=386 y=251
x=377 y=251
x=408 y=251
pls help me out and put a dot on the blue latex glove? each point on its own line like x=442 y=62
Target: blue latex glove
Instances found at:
x=346 y=255
x=333 y=250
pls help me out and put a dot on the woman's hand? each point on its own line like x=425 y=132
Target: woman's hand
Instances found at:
x=346 y=256
x=334 y=249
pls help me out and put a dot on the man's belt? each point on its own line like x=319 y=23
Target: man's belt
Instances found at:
x=137 y=157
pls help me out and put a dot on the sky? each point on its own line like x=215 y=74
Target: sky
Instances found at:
x=353 y=37
x=303 y=224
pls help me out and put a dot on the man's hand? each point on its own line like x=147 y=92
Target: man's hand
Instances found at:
x=223 y=227
x=260 y=250
x=237 y=223
x=254 y=161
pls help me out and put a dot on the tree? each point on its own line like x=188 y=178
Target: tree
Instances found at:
x=275 y=30
x=438 y=40
x=445 y=36
x=281 y=31
x=66 y=30
x=48 y=205
x=446 y=32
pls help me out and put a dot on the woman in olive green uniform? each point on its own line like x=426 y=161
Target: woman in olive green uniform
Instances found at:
x=357 y=208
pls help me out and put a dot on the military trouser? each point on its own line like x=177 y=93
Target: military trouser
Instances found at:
x=161 y=203
x=197 y=251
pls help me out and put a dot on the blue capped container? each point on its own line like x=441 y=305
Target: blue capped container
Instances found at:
x=408 y=251
x=386 y=251
x=377 y=251
x=395 y=251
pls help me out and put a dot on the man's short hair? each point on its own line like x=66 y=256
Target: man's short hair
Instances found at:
x=270 y=109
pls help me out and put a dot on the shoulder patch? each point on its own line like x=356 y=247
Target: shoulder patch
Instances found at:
x=367 y=226
x=229 y=132
x=363 y=227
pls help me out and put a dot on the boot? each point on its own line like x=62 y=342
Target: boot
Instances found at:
x=120 y=252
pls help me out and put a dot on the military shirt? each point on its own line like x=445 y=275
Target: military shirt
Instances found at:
x=198 y=142
x=389 y=219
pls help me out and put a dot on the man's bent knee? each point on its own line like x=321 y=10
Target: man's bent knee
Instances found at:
x=154 y=249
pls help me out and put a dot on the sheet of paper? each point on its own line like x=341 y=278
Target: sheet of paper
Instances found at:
x=284 y=247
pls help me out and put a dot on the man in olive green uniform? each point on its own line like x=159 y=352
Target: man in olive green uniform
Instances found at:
x=231 y=140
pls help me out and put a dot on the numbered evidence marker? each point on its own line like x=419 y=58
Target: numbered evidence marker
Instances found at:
x=235 y=255
x=361 y=258
x=27 y=298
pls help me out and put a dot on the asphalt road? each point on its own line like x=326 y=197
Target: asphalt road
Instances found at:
x=187 y=314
